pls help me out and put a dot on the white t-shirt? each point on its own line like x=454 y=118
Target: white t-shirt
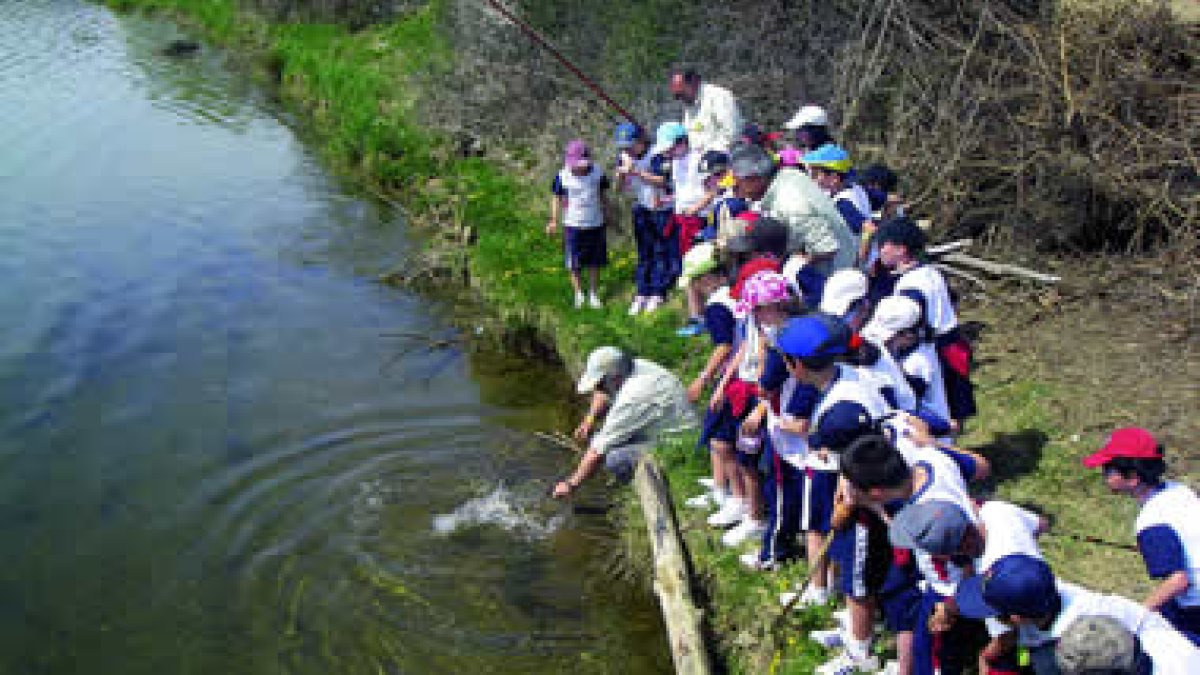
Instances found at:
x=886 y=374
x=848 y=385
x=1170 y=652
x=715 y=121
x=1177 y=507
x=645 y=194
x=791 y=447
x=922 y=363
x=1009 y=529
x=857 y=196
x=939 y=311
x=944 y=482
x=687 y=181
x=583 y=209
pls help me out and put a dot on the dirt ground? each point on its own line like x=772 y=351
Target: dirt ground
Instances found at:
x=1114 y=344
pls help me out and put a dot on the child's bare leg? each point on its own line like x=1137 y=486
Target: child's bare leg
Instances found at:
x=575 y=284
x=723 y=451
x=904 y=655
x=693 y=300
x=819 y=572
x=752 y=484
x=594 y=278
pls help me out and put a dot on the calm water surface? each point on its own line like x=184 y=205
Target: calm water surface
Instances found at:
x=213 y=459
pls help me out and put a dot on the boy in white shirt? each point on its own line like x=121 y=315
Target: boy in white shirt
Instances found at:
x=1021 y=591
x=1168 y=527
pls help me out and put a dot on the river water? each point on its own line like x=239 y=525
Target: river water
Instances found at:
x=214 y=456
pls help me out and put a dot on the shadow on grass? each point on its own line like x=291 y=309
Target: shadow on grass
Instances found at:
x=1012 y=455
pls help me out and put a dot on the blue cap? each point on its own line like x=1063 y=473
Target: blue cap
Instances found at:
x=829 y=156
x=669 y=133
x=840 y=425
x=936 y=527
x=812 y=336
x=1016 y=584
x=938 y=425
x=627 y=133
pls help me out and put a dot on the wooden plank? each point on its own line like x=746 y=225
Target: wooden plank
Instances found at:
x=672 y=582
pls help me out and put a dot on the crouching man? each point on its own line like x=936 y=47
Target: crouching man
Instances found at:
x=638 y=400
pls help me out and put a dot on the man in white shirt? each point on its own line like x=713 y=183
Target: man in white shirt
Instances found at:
x=1021 y=591
x=646 y=400
x=710 y=113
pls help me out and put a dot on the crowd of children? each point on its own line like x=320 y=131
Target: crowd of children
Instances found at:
x=836 y=382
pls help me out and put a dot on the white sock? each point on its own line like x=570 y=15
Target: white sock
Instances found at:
x=859 y=649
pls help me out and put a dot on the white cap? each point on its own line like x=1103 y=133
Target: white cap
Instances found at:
x=602 y=361
x=842 y=289
x=892 y=315
x=808 y=115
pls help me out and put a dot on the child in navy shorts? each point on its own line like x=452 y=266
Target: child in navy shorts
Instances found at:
x=580 y=189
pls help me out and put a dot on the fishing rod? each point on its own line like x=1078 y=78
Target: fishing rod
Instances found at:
x=545 y=44
x=1088 y=539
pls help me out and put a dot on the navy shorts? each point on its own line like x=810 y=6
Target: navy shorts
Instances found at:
x=584 y=247
x=1186 y=620
x=948 y=653
x=720 y=425
x=863 y=554
x=900 y=598
x=816 y=502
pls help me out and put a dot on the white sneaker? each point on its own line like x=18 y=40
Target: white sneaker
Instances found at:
x=787 y=597
x=749 y=528
x=890 y=668
x=829 y=638
x=580 y=298
x=594 y=302
x=730 y=514
x=652 y=303
x=708 y=500
x=707 y=482
x=845 y=664
x=639 y=304
x=842 y=616
x=752 y=562
x=813 y=597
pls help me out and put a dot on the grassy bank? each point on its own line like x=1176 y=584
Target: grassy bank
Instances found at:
x=361 y=90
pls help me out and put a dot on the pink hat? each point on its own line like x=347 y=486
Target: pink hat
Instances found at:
x=577 y=155
x=789 y=157
x=763 y=288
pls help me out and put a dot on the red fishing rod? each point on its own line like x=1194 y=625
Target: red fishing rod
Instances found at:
x=545 y=44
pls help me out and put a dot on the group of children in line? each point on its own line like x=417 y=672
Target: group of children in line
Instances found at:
x=835 y=398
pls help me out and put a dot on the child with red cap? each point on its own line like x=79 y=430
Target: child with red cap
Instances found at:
x=1168 y=531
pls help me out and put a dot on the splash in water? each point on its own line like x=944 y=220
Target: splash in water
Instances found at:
x=525 y=515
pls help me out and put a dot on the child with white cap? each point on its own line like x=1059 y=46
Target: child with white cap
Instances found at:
x=896 y=327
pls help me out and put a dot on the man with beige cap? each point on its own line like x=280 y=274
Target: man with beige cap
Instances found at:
x=642 y=400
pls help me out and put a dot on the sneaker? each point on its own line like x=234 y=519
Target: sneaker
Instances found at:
x=752 y=562
x=708 y=500
x=652 y=303
x=890 y=668
x=692 y=328
x=830 y=638
x=731 y=513
x=593 y=301
x=638 y=305
x=748 y=529
x=787 y=598
x=813 y=597
x=707 y=482
x=842 y=616
x=845 y=664
x=579 y=300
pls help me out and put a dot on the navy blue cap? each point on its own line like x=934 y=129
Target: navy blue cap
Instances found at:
x=713 y=161
x=938 y=425
x=842 y=424
x=1016 y=584
x=811 y=336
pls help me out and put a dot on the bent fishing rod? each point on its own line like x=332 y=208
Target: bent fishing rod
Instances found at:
x=545 y=44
